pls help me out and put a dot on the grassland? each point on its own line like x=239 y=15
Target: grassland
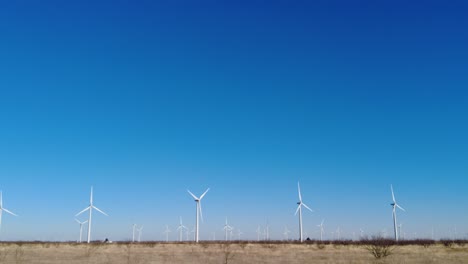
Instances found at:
x=235 y=252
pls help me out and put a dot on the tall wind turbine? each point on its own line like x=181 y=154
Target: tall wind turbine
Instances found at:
x=258 y=231
x=299 y=209
x=3 y=209
x=199 y=211
x=321 y=230
x=90 y=208
x=81 y=226
x=181 y=228
x=394 y=206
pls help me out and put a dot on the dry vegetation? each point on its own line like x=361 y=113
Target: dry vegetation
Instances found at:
x=419 y=251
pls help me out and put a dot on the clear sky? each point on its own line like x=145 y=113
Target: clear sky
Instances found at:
x=146 y=100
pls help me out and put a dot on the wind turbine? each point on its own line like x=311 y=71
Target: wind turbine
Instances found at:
x=81 y=227
x=258 y=231
x=299 y=209
x=226 y=228
x=90 y=208
x=286 y=233
x=321 y=230
x=181 y=228
x=3 y=209
x=199 y=210
x=394 y=206
x=133 y=236
x=167 y=231
x=139 y=233
x=239 y=233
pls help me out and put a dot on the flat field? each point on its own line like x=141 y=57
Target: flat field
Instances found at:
x=212 y=252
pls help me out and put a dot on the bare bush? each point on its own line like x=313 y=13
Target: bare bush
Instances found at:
x=380 y=247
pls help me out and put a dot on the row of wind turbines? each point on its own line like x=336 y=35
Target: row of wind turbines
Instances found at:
x=227 y=228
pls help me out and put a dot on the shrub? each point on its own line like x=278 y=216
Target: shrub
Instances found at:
x=380 y=247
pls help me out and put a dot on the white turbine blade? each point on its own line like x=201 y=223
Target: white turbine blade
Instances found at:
x=85 y=222
x=8 y=211
x=322 y=221
x=84 y=210
x=393 y=195
x=307 y=207
x=400 y=207
x=297 y=210
x=193 y=195
x=299 y=191
x=78 y=221
x=201 y=197
x=1 y=199
x=97 y=209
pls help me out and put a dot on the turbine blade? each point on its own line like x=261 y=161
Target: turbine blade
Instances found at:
x=400 y=207
x=193 y=195
x=97 y=209
x=8 y=211
x=393 y=195
x=84 y=210
x=299 y=191
x=307 y=207
x=297 y=210
x=78 y=221
x=201 y=197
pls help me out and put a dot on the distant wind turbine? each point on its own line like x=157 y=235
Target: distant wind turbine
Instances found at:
x=199 y=211
x=299 y=209
x=321 y=230
x=181 y=228
x=90 y=208
x=166 y=232
x=226 y=229
x=81 y=227
x=286 y=233
x=139 y=233
x=133 y=236
x=258 y=231
x=394 y=206
x=3 y=209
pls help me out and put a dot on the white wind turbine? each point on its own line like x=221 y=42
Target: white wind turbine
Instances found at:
x=258 y=231
x=181 y=228
x=226 y=229
x=394 y=206
x=166 y=232
x=81 y=227
x=321 y=230
x=199 y=211
x=299 y=209
x=239 y=233
x=286 y=233
x=139 y=233
x=90 y=208
x=3 y=209
x=133 y=236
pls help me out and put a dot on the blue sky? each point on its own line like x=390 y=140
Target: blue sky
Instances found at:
x=146 y=100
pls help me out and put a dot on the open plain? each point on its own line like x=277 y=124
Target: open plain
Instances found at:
x=214 y=252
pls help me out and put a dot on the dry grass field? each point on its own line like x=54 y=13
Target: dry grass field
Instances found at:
x=220 y=253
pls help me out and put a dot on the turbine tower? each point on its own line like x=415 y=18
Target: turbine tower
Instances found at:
x=299 y=209
x=199 y=211
x=321 y=230
x=394 y=206
x=90 y=208
x=166 y=232
x=286 y=233
x=81 y=227
x=181 y=228
x=3 y=209
x=133 y=233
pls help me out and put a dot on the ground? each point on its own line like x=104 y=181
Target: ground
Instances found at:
x=207 y=253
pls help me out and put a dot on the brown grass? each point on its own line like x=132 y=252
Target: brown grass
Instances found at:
x=218 y=252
